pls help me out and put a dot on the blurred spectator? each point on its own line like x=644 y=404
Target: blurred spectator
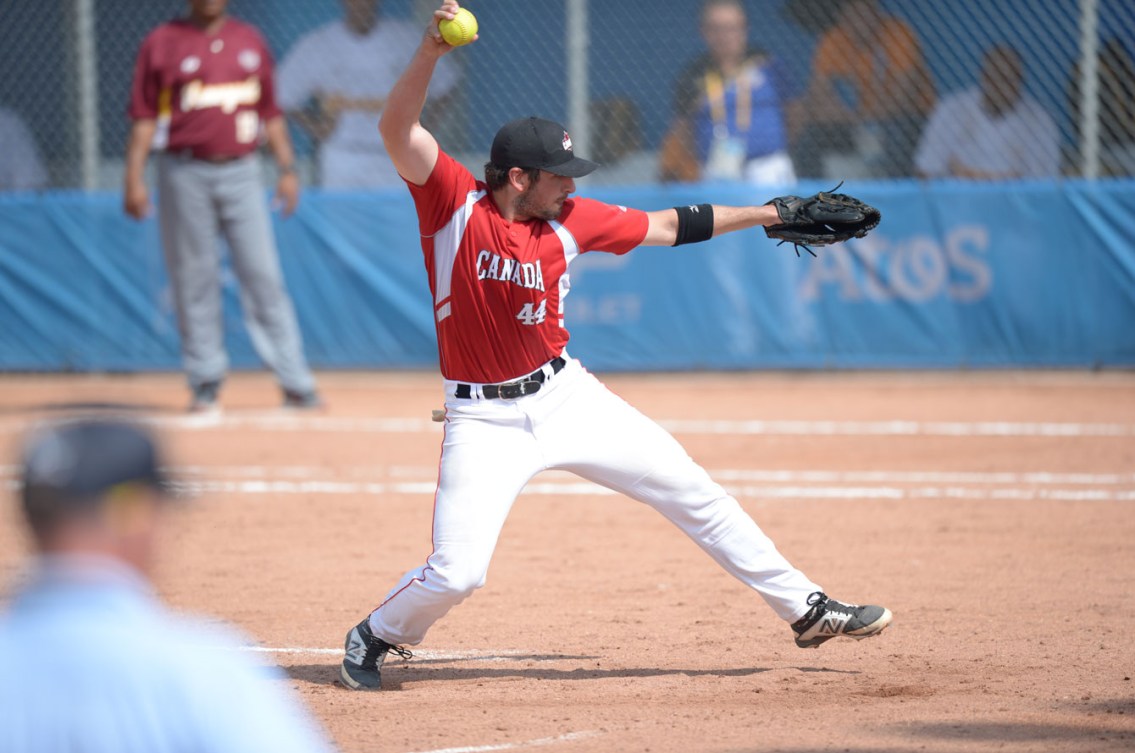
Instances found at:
x=21 y=168
x=992 y=130
x=616 y=143
x=91 y=659
x=203 y=91
x=334 y=82
x=728 y=122
x=1116 y=108
x=868 y=99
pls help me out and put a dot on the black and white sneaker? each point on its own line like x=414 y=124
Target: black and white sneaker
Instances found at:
x=309 y=400
x=205 y=398
x=364 y=654
x=829 y=619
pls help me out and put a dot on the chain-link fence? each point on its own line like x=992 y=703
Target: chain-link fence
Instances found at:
x=655 y=89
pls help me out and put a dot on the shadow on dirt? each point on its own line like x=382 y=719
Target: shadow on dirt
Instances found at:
x=949 y=736
x=1018 y=732
x=394 y=672
x=87 y=406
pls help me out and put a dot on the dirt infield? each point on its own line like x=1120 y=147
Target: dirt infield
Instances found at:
x=994 y=513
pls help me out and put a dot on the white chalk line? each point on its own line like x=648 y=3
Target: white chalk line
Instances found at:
x=422 y=475
x=435 y=655
x=586 y=488
x=682 y=426
x=771 y=483
x=537 y=743
x=756 y=474
x=900 y=428
x=342 y=424
x=918 y=477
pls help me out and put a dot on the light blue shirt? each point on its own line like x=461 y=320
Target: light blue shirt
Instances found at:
x=1023 y=142
x=90 y=661
x=21 y=168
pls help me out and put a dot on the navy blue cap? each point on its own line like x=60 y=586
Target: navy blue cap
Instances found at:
x=74 y=465
x=535 y=142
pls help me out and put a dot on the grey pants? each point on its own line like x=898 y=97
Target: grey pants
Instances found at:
x=197 y=202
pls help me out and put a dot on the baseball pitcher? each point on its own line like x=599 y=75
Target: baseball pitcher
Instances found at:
x=498 y=255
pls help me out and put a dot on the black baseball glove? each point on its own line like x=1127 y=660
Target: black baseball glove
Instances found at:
x=821 y=220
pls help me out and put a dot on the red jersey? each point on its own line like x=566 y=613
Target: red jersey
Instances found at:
x=209 y=92
x=499 y=286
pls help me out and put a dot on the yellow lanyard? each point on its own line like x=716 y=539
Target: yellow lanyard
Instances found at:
x=715 y=92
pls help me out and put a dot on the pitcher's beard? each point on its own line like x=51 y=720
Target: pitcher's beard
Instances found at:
x=526 y=207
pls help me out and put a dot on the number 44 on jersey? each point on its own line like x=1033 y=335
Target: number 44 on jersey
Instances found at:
x=531 y=314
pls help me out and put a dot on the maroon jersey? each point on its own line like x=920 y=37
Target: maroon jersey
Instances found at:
x=499 y=286
x=210 y=93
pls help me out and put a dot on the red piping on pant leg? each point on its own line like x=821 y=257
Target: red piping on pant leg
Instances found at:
x=433 y=522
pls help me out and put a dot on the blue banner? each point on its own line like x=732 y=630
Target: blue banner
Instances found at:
x=957 y=275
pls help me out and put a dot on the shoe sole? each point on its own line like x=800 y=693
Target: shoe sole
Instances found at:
x=351 y=683
x=868 y=631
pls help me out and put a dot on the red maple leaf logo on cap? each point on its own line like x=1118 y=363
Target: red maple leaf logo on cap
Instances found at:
x=567 y=141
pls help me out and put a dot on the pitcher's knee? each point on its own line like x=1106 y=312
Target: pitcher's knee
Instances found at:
x=458 y=581
x=679 y=487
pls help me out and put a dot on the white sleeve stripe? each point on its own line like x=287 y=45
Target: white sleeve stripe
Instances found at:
x=571 y=250
x=571 y=247
x=447 y=241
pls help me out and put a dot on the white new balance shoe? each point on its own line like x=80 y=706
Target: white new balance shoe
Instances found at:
x=829 y=619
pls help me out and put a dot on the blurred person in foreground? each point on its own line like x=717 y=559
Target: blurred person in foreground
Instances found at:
x=991 y=131
x=729 y=122
x=334 y=82
x=21 y=168
x=91 y=659
x=868 y=99
x=203 y=93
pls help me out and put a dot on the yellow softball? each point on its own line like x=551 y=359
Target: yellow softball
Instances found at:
x=460 y=30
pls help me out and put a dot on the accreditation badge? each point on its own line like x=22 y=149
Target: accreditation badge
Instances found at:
x=726 y=158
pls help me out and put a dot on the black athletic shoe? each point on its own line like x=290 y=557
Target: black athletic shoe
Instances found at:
x=362 y=664
x=205 y=398
x=302 y=400
x=829 y=619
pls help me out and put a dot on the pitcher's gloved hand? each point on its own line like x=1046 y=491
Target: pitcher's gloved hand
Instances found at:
x=821 y=219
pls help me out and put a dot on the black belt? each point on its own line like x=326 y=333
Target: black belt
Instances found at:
x=511 y=390
x=213 y=159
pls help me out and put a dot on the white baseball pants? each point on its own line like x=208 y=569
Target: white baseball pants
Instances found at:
x=492 y=448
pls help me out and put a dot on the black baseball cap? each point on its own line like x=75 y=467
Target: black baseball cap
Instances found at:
x=535 y=142
x=73 y=466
